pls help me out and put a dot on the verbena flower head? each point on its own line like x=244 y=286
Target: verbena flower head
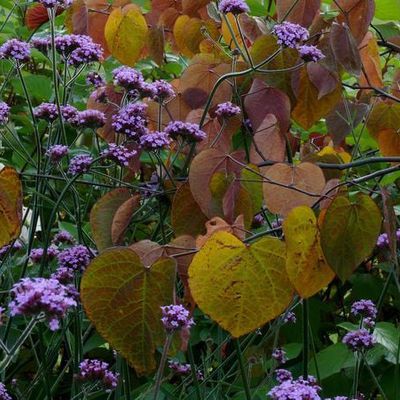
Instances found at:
x=57 y=152
x=63 y=275
x=128 y=78
x=162 y=90
x=8 y=248
x=95 y=79
x=41 y=44
x=179 y=368
x=33 y=296
x=383 y=241
x=80 y=164
x=119 y=153
x=279 y=355
x=155 y=141
x=147 y=90
x=186 y=130
x=233 y=6
x=63 y=237
x=365 y=308
x=289 y=34
x=76 y=258
x=66 y=44
x=85 y=54
x=46 y=111
x=97 y=371
x=3 y=392
x=310 y=53
x=290 y=318
x=131 y=120
x=359 y=340
x=91 y=119
x=70 y=114
x=283 y=375
x=227 y=110
x=56 y=3
x=4 y=113
x=15 y=49
x=176 y=317
x=36 y=255
x=299 y=389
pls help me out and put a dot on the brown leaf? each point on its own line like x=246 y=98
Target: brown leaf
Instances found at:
x=371 y=61
x=307 y=178
x=191 y=8
x=252 y=27
x=324 y=80
x=155 y=44
x=148 y=251
x=303 y=12
x=122 y=218
x=384 y=115
x=389 y=142
x=37 y=15
x=345 y=48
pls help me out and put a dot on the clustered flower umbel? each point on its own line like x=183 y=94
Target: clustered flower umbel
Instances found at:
x=361 y=339
x=95 y=79
x=80 y=164
x=97 y=371
x=55 y=3
x=17 y=245
x=227 y=110
x=119 y=153
x=176 y=317
x=57 y=152
x=183 y=369
x=293 y=36
x=233 y=6
x=35 y=296
x=279 y=355
x=4 y=113
x=36 y=255
x=155 y=141
x=15 y=50
x=383 y=239
x=3 y=392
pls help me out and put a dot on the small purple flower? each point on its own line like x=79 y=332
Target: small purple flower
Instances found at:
x=80 y=164
x=85 y=54
x=15 y=49
x=283 y=375
x=155 y=141
x=299 y=389
x=290 y=34
x=119 y=153
x=17 y=245
x=176 y=317
x=233 y=6
x=66 y=44
x=95 y=79
x=3 y=392
x=277 y=223
x=227 y=110
x=70 y=114
x=131 y=120
x=279 y=355
x=91 y=119
x=76 y=258
x=310 y=53
x=4 y=113
x=36 y=255
x=365 y=308
x=128 y=78
x=56 y=3
x=63 y=275
x=147 y=90
x=178 y=368
x=290 y=318
x=41 y=44
x=33 y=296
x=258 y=221
x=162 y=90
x=46 y=111
x=57 y=152
x=383 y=241
x=359 y=340
x=63 y=237
x=97 y=371
x=191 y=132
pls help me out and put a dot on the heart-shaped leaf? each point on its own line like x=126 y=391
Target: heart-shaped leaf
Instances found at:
x=305 y=263
x=122 y=298
x=349 y=232
x=241 y=287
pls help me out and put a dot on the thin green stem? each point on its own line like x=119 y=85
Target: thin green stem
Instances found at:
x=161 y=367
x=306 y=338
x=193 y=372
x=242 y=369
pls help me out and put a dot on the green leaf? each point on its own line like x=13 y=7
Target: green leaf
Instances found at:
x=38 y=86
x=388 y=335
x=122 y=298
x=387 y=9
x=349 y=232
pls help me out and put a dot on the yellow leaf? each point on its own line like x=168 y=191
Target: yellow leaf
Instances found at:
x=240 y=287
x=305 y=263
x=126 y=34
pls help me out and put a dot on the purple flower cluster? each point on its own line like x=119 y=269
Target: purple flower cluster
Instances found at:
x=3 y=392
x=17 y=245
x=290 y=318
x=183 y=369
x=176 y=317
x=289 y=34
x=90 y=119
x=162 y=90
x=66 y=44
x=155 y=141
x=365 y=308
x=36 y=255
x=186 y=130
x=46 y=111
x=97 y=371
x=4 y=113
x=42 y=44
x=289 y=389
x=95 y=79
x=279 y=355
x=32 y=297
x=233 y=6
x=55 y=3
x=86 y=53
x=57 y=152
x=359 y=340
x=131 y=120
x=310 y=53
x=227 y=110
x=15 y=49
x=63 y=237
x=119 y=153
x=283 y=375
x=80 y=164
x=69 y=114
x=128 y=78
x=75 y=258
x=383 y=239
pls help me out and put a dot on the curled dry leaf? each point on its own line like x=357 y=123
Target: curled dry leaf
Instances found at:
x=287 y=186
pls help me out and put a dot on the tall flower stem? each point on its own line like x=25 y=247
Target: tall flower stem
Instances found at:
x=160 y=372
x=306 y=338
x=242 y=369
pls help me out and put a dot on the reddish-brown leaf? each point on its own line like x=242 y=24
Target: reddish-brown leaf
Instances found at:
x=371 y=61
x=303 y=12
x=122 y=218
x=37 y=15
x=324 y=80
x=389 y=142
